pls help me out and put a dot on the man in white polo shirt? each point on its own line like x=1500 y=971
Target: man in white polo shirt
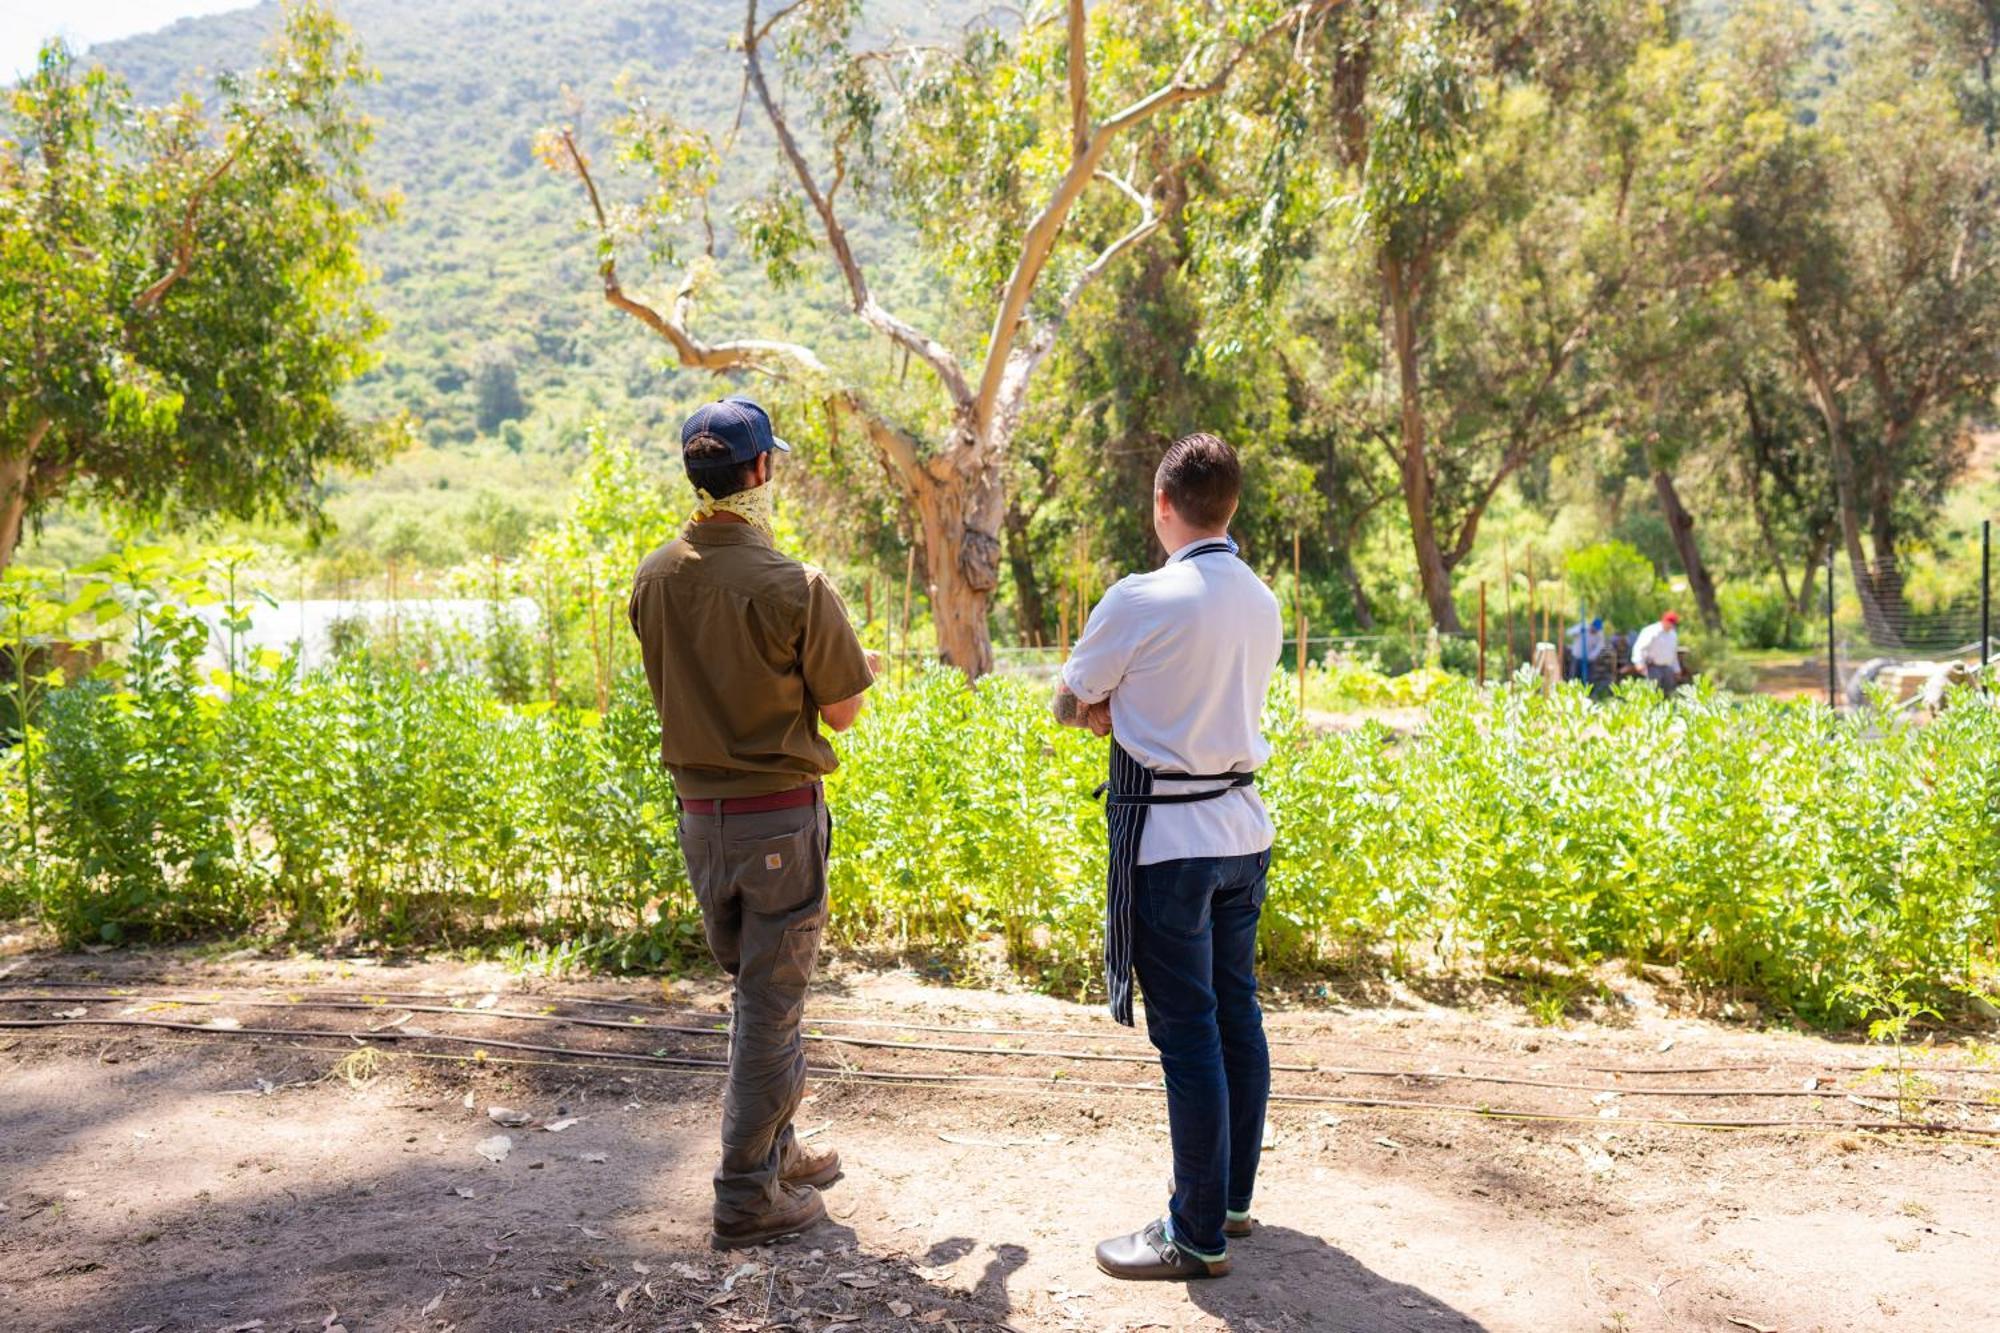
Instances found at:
x=1175 y=665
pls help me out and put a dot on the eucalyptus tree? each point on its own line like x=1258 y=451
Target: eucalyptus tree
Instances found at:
x=181 y=286
x=1872 y=228
x=991 y=149
x=1474 y=238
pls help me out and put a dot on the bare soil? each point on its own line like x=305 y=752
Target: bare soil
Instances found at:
x=305 y=1152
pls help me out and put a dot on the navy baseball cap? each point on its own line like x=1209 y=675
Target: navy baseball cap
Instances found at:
x=738 y=423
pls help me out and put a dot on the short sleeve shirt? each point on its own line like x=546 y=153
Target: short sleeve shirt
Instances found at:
x=742 y=645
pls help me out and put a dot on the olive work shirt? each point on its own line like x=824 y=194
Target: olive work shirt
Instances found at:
x=742 y=645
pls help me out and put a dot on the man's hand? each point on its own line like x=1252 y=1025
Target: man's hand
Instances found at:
x=874 y=660
x=1071 y=711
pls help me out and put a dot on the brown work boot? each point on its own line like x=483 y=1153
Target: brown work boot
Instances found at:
x=797 y=1209
x=1236 y=1228
x=817 y=1167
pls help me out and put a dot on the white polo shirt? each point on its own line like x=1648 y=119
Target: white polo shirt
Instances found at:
x=1185 y=654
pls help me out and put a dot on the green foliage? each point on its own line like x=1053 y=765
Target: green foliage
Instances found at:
x=180 y=285
x=1758 y=615
x=1616 y=581
x=1519 y=833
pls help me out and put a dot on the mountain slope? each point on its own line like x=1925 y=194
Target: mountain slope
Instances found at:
x=485 y=263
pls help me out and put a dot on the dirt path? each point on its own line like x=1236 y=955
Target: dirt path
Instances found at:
x=203 y=1179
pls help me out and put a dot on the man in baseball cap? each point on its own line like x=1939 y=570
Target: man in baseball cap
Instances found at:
x=748 y=652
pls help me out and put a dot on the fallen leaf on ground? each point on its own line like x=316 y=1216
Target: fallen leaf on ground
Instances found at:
x=467 y=1101
x=591 y=1233
x=433 y=1303
x=625 y=1297
x=486 y=1002
x=1385 y=1141
x=463 y=1192
x=496 y=1148
x=71 y=1013
x=558 y=1126
x=508 y=1116
x=687 y=1271
x=596 y=1157
x=746 y=1270
x=223 y=1023
x=901 y=1309
x=1754 y=1327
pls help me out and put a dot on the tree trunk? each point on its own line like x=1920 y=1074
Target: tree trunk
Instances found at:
x=1807 y=604
x=1827 y=400
x=1364 y=614
x=1028 y=608
x=1681 y=523
x=960 y=508
x=1432 y=572
x=14 y=469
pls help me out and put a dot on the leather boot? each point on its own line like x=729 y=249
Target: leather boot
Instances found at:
x=798 y=1208
x=809 y=1166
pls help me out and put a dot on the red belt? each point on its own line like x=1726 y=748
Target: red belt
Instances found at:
x=753 y=805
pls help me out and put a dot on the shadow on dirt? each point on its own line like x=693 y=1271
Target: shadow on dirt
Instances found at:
x=1299 y=1281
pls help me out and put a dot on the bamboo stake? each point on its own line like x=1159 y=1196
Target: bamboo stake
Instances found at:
x=1482 y=633
x=1299 y=610
x=909 y=576
x=1507 y=604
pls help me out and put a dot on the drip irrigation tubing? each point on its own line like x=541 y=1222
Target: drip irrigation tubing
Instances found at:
x=391 y=1033
x=1963 y=1133
x=370 y=999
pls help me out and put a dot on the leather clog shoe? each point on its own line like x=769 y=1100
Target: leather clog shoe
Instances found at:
x=1148 y=1255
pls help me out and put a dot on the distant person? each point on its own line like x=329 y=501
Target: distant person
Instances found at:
x=748 y=652
x=1585 y=641
x=1657 y=652
x=1176 y=664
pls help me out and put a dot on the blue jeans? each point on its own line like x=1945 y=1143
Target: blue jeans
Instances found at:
x=1195 y=950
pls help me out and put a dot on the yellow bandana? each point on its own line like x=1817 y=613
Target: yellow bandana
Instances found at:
x=756 y=506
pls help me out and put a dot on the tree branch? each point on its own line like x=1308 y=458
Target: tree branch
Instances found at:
x=778 y=360
x=1038 y=242
x=1079 y=81
x=184 y=242
x=932 y=352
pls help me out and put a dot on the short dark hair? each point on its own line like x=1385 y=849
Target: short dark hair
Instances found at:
x=1202 y=479
x=706 y=458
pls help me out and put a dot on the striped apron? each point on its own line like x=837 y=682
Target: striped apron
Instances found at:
x=1130 y=796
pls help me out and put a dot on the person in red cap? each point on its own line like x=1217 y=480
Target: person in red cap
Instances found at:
x=1657 y=652
x=749 y=653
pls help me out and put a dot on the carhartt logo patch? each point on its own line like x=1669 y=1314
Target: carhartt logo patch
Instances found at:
x=774 y=862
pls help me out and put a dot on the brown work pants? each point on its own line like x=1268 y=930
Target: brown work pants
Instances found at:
x=761 y=881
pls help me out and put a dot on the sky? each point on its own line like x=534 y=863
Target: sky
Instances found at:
x=25 y=24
